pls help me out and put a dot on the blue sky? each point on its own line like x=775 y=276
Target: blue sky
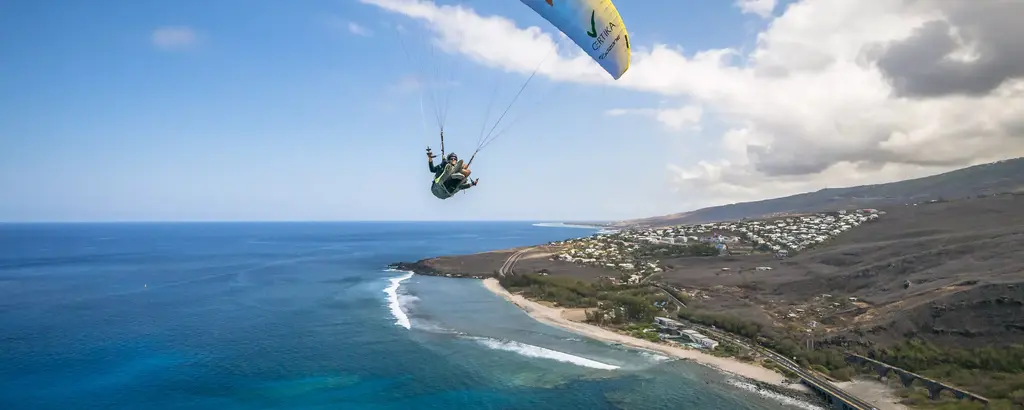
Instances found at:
x=270 y=110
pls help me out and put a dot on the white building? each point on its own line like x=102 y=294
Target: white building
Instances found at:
x=705 y=341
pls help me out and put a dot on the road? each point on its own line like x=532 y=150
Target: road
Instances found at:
x=808 y=376
x=506 y=268
x=679 y=303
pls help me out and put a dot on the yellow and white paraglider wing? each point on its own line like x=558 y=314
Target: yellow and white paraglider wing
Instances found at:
x=594 y=25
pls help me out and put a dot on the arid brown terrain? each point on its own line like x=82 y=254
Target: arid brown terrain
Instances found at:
x=984 y=179
x=949 y=272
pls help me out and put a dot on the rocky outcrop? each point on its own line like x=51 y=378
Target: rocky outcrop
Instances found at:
x=424 y=267
x=477 y=266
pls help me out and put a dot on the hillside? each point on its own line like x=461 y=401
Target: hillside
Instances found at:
x=936 y=288
x=949 y=272
x=986 y=179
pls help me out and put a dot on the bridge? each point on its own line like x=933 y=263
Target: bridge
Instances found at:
x=935 y=388
x=838 y=398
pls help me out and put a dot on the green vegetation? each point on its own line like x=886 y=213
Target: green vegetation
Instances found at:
x=996 y=373
x=643 y=331
x=726 y=350
x=829 y=361
x=771 y=365
x=613 y=304
x=660 y=250
x=727 y=323
x=679 y=295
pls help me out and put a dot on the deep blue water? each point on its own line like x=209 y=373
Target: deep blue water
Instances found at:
x=296 y=316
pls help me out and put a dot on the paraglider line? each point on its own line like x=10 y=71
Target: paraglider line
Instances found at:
x=523 y=87
x=487 y=113
x=433 y=98
x=519 y=117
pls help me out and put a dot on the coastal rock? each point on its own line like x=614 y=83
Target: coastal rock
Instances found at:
x=477 y=266
x=425 y=267
x=807 y=397
x=419 y=267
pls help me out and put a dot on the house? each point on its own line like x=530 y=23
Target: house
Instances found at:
x=704 y=341
x=697 y=337
x=666 y=322
x=709 y=343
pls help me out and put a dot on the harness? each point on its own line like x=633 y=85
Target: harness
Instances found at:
x=437 y=185
x=447 y=166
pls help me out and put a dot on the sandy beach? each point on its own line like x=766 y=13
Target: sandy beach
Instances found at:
x=563 y=318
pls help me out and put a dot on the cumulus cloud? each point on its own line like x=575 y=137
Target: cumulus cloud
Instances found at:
x=682 y=118
x=835 y=93
x=971 y=50
x=358 y=30
x=174 y=37
x=762 y=8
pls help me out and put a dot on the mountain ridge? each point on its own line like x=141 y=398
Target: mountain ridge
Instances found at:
x=979 y=180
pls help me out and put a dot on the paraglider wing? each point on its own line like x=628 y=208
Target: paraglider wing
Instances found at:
x=594 y=25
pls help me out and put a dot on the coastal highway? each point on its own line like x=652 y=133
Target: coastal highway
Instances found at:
x=506 y=268
x=679 y=303
x=809 y=377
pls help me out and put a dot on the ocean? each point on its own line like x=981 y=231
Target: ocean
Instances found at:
x=304 y=316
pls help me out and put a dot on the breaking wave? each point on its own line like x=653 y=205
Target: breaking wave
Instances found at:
x=781 y=398
x=395 y=300
x=541 y=353
x=658 y=357
x=565 y=225
x=599 y=229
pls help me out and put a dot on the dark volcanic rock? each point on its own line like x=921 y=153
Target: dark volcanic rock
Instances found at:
x=974 y=316
x=423 y=267
x=476 y=266
x=963 y=262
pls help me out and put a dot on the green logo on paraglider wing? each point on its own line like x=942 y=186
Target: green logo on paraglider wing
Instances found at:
x=601 y=40
x=593 y=27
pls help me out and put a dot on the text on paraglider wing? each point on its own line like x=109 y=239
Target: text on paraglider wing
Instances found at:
x=610 y=47
x=601 y=38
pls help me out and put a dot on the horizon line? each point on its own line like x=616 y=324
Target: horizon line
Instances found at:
x=83 y=222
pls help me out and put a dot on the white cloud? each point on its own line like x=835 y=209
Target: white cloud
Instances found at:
x=358 y=30
x=174 y=37
x=682 y=118
x=762 y=8
x=822 y=101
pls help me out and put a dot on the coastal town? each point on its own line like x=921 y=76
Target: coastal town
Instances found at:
x=744 y=296
x=638 y=253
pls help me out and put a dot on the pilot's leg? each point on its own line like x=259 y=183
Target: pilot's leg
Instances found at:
x=460 y=171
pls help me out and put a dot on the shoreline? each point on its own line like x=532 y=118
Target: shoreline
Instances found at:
x=554 y=316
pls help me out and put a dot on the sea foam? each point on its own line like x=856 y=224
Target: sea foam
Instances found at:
x=600 y=230
x=781 y=398
x=394 y=303
x=529 y=350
